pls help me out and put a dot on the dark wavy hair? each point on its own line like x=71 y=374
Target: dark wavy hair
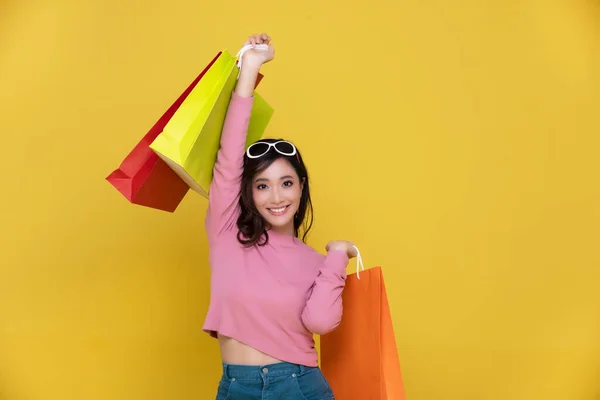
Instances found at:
x=252 y=227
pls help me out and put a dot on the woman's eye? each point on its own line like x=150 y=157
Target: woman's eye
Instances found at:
x=261 y=186
x=288 y=183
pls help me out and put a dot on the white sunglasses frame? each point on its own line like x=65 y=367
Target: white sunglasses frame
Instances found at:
x=272 y=145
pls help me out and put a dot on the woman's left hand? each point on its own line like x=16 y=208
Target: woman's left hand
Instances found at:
x=344 y=245
x=258 y=57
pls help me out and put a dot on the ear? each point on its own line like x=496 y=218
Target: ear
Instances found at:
x=302 y=183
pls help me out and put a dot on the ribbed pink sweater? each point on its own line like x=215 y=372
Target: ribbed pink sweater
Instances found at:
x=272 y=298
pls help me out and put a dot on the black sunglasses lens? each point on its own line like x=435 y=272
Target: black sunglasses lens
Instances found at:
x=285 y=148
x=258 y=149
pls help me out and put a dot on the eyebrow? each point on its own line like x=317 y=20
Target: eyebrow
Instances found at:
x=266 y=180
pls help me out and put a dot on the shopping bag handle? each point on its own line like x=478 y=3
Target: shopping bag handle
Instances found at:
x=359 y=262
x=247 y=47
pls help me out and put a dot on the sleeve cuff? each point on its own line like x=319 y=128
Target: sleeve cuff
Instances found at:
x=337 y=260
x=239 y=99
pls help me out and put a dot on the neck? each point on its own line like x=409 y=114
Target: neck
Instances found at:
x=287 y=230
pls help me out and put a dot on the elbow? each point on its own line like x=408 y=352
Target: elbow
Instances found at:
x=323 y=322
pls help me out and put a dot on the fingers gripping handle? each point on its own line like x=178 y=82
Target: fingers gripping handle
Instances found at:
x=247 y=47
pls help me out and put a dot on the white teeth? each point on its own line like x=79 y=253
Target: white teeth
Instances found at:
x=278 y=210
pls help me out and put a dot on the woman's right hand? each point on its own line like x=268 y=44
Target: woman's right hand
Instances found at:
x=342 y=245
x=256 y=57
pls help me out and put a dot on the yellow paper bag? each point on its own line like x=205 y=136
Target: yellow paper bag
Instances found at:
x=190 y=141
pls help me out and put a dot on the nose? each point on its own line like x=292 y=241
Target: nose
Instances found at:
x=276 y=196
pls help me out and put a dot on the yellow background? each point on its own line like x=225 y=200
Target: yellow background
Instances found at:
x=455 y=142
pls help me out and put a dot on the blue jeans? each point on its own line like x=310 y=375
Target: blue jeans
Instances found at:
x=281 y=381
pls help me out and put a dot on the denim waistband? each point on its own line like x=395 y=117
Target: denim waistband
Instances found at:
x=258 y=371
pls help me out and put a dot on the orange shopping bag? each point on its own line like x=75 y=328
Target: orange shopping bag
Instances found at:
x=360 y=358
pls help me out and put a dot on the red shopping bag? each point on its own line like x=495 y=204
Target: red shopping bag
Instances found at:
x=360 y=358
x=143 y=177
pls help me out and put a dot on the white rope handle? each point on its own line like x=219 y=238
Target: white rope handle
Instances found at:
x=247 y=47
x=359 y=262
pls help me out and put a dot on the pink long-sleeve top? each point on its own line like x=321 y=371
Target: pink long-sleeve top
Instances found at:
x=274 y=297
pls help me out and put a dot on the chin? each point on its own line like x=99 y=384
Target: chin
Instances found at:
x=281 y=228
x=279 y=224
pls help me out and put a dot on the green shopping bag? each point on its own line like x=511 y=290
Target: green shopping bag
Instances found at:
x=190 y=141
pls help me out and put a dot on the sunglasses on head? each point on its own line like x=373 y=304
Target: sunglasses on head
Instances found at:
x=259 y=149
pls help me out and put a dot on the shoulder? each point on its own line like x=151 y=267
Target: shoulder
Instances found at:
x=311 y=253
x=227 y=237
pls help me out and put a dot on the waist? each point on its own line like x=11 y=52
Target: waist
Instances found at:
x=236 y=353
x=254 y=372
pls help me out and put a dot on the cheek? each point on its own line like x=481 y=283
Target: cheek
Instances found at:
x=296 y=194
x=259 y=197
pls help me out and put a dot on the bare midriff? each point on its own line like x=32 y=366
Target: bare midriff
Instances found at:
x=237 y=353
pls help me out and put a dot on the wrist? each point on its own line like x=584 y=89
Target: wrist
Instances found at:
x=246 y=81
x=249 y=72
x=251 y=63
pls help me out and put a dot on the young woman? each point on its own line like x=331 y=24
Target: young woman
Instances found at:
x=270 y=292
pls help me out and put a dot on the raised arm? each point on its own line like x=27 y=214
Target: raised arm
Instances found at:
x=225 y=185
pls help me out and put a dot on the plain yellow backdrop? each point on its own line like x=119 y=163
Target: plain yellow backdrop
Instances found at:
x=455 y=142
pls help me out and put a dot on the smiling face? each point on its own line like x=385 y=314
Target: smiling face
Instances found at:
x=276 y=192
